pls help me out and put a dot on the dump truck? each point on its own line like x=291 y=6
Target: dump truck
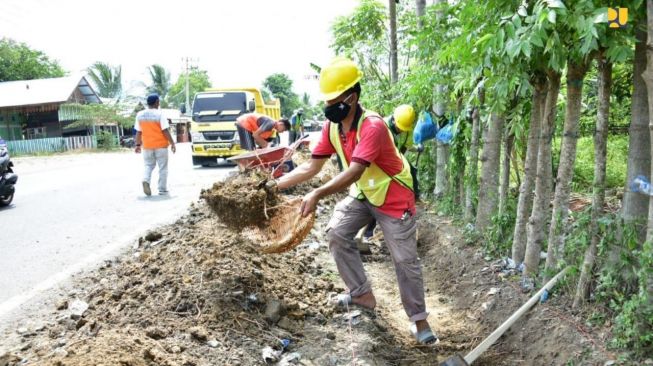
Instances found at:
x=213 y=125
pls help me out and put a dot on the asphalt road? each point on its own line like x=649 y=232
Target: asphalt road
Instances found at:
x=73 y=211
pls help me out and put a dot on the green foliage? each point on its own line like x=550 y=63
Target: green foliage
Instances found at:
x=107 y=79
x=497 y=239
x=98 y=114
x=198 y=82
x=426 y=169
x=160 y=83
x=624 y=281
x=106 y=140
x=19 y=62
x=584 y=167
x=626 y=284
x=281 y=87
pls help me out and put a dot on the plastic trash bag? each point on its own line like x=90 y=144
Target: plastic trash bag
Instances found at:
x=641 y=185
x=446 y=133
x=425 y=129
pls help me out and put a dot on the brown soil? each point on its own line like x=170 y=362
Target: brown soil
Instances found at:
x=203 y=295
x=241 y=200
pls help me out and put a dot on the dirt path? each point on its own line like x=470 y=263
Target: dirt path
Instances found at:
x=196 y=293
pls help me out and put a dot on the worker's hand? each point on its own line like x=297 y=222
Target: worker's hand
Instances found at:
x=309 y=203
x=271 y=186
x=173 y=148
x=137 y=150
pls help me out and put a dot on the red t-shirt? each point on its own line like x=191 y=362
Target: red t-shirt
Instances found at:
x=375 y=146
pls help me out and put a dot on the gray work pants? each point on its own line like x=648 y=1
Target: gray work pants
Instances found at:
x=349 y=216
x=152 y=158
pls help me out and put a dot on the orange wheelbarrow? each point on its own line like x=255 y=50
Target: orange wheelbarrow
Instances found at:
x=277 y=159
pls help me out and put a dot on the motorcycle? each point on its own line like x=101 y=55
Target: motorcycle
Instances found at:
x=127 y=141
x=7 y=177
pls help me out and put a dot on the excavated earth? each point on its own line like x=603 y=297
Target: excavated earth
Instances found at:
x=197 y=293
x=241 y=200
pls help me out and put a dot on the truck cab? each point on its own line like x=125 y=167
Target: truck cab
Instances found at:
x=213 y=125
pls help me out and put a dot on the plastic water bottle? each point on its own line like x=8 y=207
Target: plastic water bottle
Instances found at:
x=544 y=296
x=641 y=185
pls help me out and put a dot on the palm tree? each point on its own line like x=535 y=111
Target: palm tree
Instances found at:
x=160 y=81
x=107 y=79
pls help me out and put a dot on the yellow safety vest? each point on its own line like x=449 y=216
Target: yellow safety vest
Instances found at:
x=374 y=183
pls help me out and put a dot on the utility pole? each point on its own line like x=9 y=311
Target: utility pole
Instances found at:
x=187 y=86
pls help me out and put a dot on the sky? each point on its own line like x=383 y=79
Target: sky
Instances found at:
x=239 y=42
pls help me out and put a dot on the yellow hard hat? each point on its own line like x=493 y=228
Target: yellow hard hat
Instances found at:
x=404 y=117
x=337 y=77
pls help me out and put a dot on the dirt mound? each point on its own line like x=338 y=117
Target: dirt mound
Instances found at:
x=200 y=294
x=241 y=200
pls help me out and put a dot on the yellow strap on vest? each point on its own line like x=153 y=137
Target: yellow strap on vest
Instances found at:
x=374 y=183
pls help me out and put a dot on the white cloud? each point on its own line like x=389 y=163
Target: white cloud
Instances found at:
x=238 y=42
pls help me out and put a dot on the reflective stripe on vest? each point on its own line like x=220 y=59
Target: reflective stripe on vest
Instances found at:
x=250 y=123
x=374 y=183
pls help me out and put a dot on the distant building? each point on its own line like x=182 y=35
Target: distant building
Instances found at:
x=31 y=109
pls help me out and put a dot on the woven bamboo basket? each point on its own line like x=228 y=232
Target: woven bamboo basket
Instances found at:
x=285 y=230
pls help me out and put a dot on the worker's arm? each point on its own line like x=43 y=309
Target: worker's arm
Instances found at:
x=300 y=174
x=138 y=140
x=166 y=133
x=337 y=184
x=259 y=140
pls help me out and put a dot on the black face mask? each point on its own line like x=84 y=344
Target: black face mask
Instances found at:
x=336 y=113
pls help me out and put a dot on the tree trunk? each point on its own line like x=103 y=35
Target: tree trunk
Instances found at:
x=598 y=198
x=394 y=74
x=635 y=208
x=441 y=177
x=488 y=193
x=648 y=79
x=525 y=202
x=537 y=222
x=575 y=75
x=472 y=172
x=514 y=159
x=504 y=188
x=441 y=181
x=420 y=10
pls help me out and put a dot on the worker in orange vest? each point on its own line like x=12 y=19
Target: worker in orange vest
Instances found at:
x=258 y=129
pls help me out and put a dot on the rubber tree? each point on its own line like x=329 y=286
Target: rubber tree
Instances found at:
x=363 y=36
x=538 y=219
x=472 y=172
x=394 y=72
x=634 y=207
x=615 y=47
x=647 y=75
x=525 y=200
x=581 y=41
x=488 y=195
x=576 y=70
x=420 y=10
x=598 y=186
x=507 y=145
x=507 y=53
x=442 y=153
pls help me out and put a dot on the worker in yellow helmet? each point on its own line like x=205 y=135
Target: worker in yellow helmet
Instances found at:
x=381 y=188
x=401 y=123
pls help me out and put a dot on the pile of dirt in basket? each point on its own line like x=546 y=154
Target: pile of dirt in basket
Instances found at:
x=241 y=200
